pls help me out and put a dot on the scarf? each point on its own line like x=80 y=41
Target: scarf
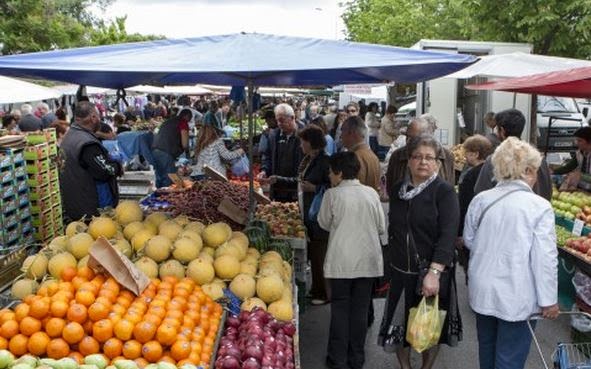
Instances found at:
x=404 y=194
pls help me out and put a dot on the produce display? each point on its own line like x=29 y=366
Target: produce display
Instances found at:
x=254 y=340
x=284 y=219
x=201 y=201
x=84 y=313
x=580 y=246
x=572 y=205
x=562 y=235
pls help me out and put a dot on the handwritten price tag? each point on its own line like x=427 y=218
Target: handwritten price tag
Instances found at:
x=578 y=227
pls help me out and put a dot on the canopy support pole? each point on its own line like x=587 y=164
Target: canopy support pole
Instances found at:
x=251 y=201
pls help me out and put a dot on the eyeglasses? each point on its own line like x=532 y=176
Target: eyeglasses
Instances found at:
x=419 y=158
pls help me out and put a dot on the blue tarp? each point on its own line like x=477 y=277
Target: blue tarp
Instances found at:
x=134 y=143
x=266 y=60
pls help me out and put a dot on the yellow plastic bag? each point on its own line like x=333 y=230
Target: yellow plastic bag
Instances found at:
x=424 y=324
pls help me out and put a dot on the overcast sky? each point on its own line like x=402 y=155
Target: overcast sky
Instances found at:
x=192 y=18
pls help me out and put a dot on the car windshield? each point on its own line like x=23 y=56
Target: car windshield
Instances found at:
x=553 y=104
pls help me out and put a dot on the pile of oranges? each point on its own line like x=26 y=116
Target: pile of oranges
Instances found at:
x=82 y=314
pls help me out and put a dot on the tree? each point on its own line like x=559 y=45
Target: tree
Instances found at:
x=553 y=27
x=38 y=25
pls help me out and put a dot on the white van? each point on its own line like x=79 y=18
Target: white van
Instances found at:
x=557 y=120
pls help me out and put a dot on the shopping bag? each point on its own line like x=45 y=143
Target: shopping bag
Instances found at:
x=315 y=206
x=424 y=324
x=240 y=166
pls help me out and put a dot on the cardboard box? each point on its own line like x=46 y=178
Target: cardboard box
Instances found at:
x=40 y=205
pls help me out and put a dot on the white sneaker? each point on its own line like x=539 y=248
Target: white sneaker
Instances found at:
x=317 y=302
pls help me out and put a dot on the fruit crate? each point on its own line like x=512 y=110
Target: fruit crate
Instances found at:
x=38 y=179
x=40 y=192
x=55 y=185
x=54 y=174
x=46 y=136
x=9 y=235
x=6 y=161
x=7 y=175
x=44 y=218
x=22 y=186
x=56 y=198
x=37 y=166
x=45 y=232
x=37 y=152
x=295 y=243
x=53 y=150
x=20 y=173
x=8 y=204
x=41 y=205
x=23 y=200
x=25 y=211
x=57 y=214
x=7 y=190
x=9 y=220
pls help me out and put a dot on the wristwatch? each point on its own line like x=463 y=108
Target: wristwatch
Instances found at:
x=435 y=271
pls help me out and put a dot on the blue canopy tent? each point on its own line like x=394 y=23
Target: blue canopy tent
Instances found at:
x=244 y=59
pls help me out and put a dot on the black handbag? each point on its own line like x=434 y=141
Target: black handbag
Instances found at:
x=423 y=266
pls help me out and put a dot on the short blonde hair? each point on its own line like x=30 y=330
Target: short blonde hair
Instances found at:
x=513 y=157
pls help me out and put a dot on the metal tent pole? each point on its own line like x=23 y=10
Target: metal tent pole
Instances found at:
x=251 y=201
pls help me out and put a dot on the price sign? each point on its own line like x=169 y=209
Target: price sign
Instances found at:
x=578 y=227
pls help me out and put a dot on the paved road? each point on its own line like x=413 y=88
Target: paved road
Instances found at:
x=314 y=333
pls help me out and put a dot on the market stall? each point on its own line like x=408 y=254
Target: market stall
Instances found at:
x=199 y=252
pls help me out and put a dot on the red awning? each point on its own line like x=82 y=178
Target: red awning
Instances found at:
x=568 y=83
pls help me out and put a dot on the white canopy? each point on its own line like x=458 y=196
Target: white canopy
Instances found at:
x=70 y=90
x=16 y=91
x=517 y=64
x=170 y=90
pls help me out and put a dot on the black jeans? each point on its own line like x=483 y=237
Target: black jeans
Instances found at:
x=348 y=321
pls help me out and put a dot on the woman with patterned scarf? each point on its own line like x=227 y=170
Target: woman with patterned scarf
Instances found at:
x=423 y=224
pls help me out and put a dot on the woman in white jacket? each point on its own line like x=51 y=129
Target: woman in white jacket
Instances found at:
x=513 y=257
x=353 y=215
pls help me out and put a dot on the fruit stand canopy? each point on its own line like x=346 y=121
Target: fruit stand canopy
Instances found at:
x=16 y=91
x=568 y=83
x=235 y=60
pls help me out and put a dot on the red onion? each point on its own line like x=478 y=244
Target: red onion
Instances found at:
x=233 y=321
x=267 y=360
x=289 y=329
x=253 y=352
x=244 y=315
x=270 y=343
x=228 y=362
x=251 y=363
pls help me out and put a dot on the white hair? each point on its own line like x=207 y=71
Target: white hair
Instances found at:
x=15 y=112
x=513 y=157
x=431 y=122
x=422 y=125
x=43 y=106
x=26 y=109
x=284 y=109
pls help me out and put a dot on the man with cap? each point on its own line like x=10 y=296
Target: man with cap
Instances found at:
x=581 y=162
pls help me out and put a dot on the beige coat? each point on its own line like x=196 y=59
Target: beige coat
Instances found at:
x=389 y=131
x=369 y=173
x=353 y=215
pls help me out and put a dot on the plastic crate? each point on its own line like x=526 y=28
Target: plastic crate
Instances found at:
x=55 y=185
x=22 y=186
x=7 y=176
x=6 y=161
x=40 y=205
x=9 y=220
x=53 y=150
x=40 y=192
x=25 y=211
x=37 y=166
x=7 y=190
x=11 y=234
x=8 y=204
x=56 y=198
x=42 y=219
x=38 y=179
x=37 y=152
x=46 y=136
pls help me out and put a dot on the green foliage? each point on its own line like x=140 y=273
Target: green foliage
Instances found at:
x=38 y=25
x=554 y=27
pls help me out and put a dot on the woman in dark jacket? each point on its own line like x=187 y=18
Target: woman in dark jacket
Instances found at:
x=423 y=220
x=312 y=176
x=476 y=149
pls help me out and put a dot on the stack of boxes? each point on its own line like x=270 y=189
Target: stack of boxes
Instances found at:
x=15 y=212
x=41 y=166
